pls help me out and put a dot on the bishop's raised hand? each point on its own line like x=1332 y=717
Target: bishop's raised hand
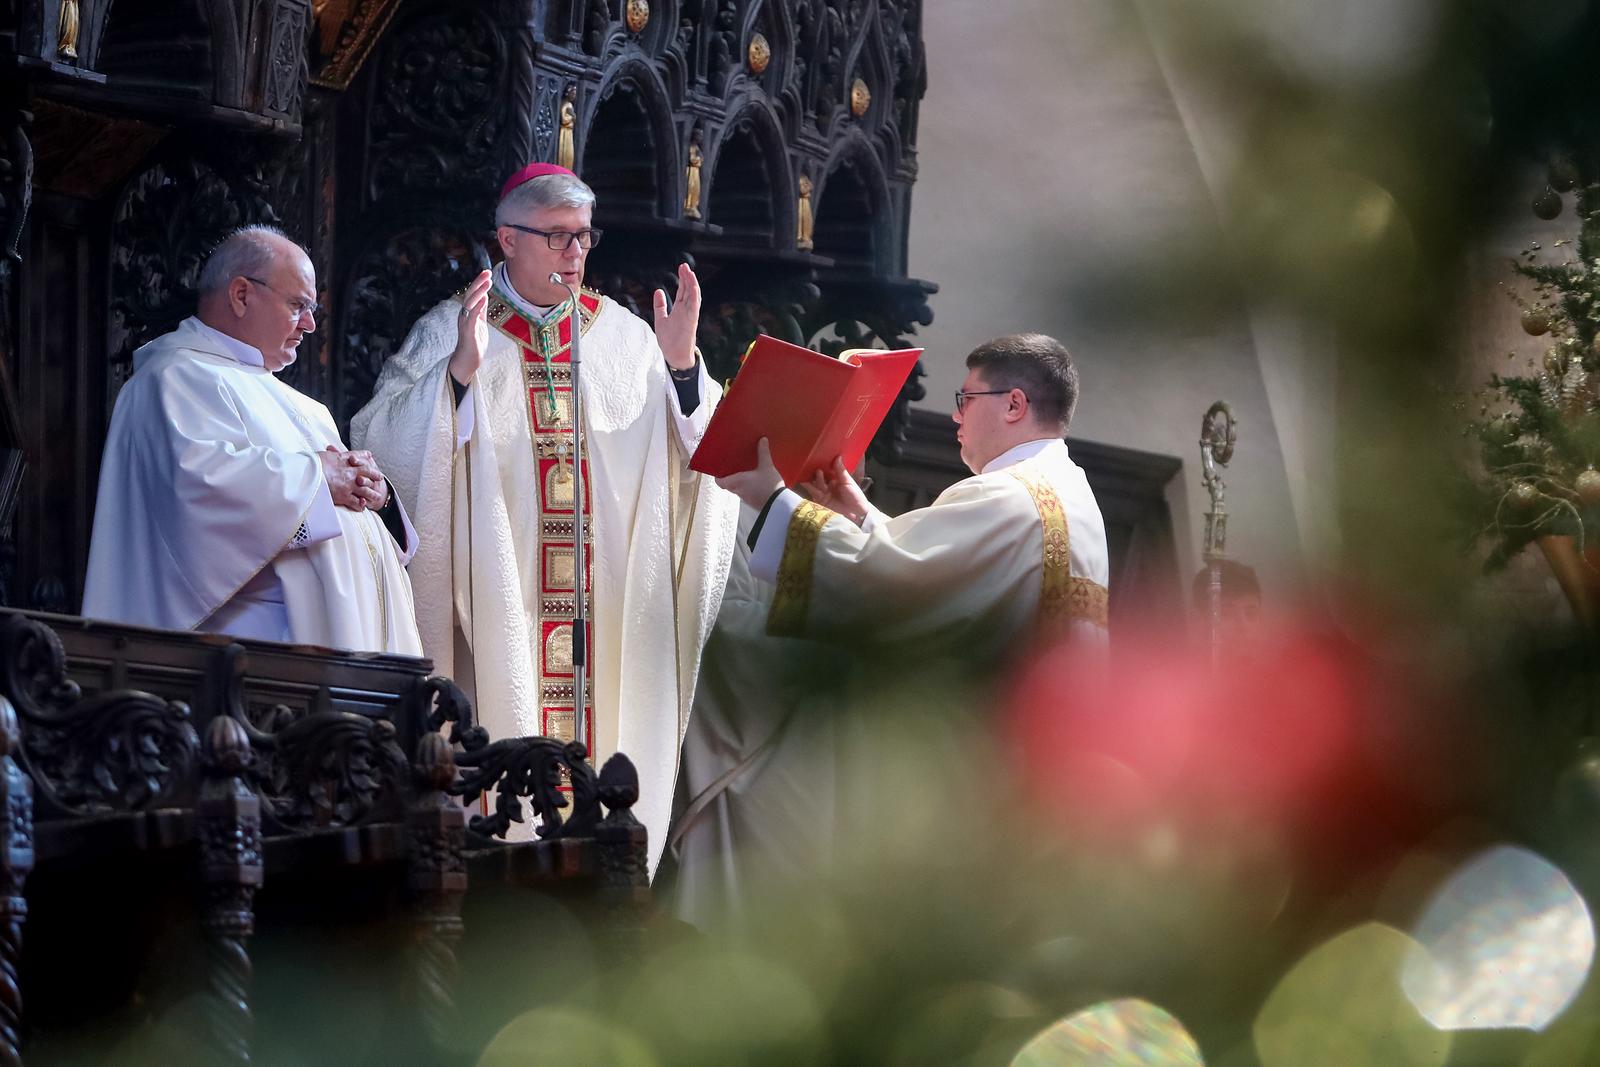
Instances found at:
x=472 y=330
x=675 y=329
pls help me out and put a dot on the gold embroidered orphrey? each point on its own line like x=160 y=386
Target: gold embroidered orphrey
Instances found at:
x=1063 y=598
x=547 y=374
x=791 y=597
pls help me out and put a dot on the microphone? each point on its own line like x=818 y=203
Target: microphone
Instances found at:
x=580 y=614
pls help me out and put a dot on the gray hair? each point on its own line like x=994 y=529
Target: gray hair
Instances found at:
x=246 y=252
x=545 y=191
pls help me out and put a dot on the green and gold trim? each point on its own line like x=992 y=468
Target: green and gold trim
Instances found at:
x=1063 y=598
x=791 y=599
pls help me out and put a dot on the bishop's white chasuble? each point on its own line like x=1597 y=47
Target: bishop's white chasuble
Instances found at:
x=495 y=577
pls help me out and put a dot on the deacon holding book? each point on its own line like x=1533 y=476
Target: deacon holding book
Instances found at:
x=472 y=420
x=1019 y=545
x=1017 y=549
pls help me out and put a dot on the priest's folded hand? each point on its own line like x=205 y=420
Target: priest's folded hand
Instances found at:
x=756 y=485
x=354 y=480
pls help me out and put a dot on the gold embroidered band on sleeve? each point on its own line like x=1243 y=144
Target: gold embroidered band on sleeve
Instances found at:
x=791 y=599
x=1064 y=598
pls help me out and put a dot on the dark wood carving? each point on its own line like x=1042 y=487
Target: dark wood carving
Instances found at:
x=623 y=850
x=624 y=864
x=536 y=769
x=240 y=62
x=532 y=769
x=278 y=781
x=16 y=183
x=322 y=768
x=114 y=751
x=16 y=861
x=228 y=821
x=438 y=882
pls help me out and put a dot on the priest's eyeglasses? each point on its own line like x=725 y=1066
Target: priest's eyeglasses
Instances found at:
x=559 y=240
x=297 y=305
x=963 y=397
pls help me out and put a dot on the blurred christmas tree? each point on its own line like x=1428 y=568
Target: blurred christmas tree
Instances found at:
x=1540 y=432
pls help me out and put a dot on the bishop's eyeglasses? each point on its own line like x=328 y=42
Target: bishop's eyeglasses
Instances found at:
x=559 y=240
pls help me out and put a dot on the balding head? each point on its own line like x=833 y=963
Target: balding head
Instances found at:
x=259 y=287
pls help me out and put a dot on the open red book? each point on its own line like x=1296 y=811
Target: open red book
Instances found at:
x=809 y=406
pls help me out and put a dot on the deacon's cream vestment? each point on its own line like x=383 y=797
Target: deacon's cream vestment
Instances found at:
x=491 y=485
x=214 y=513
x=995 y=559
x=1020 y=544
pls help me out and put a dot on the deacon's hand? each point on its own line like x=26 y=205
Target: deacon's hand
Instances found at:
x=472 y=331
x=675 y=330
x=354 y=480
x=838 y=492
x=754 y=486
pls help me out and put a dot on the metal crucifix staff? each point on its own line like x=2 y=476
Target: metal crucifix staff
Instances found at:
x=1219 y=431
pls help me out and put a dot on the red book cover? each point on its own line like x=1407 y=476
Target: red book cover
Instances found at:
x=809 y=406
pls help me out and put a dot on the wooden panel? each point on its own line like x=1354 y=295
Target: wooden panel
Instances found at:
x=61 y=378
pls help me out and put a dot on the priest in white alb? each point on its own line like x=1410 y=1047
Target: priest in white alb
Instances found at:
x=227 y=501
x=1016 y=551
x=472 y=418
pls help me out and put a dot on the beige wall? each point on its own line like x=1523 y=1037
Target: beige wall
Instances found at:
x=1053 y=150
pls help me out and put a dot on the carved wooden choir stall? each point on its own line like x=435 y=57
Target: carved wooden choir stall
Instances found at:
x=771 y=142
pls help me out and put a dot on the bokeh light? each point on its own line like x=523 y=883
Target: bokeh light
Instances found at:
x=1342 y=1005
x=568 y=1036
x=1115 y=1033
x=1505 y=942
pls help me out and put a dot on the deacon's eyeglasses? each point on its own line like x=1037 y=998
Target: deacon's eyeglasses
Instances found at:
x=296 y=304
x=963 y=397
x=559 y=240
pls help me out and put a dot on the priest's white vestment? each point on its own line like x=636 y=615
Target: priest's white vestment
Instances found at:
x=996 y=557
x=213 y=503
x=483 y=475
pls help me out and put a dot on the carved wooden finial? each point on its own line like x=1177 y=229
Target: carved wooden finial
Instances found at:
x=435 y=765
x=619 y=783
x=227 y=750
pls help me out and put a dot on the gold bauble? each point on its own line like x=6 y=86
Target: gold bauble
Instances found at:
x=860 y=98
x=638 y=15
x=1524 y=495
x=1547 y=205
x=760 y=54
x=1501 y=430
x=1536 y=321
x=1587 y=486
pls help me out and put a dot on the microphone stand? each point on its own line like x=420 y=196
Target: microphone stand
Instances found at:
x=580 y=610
